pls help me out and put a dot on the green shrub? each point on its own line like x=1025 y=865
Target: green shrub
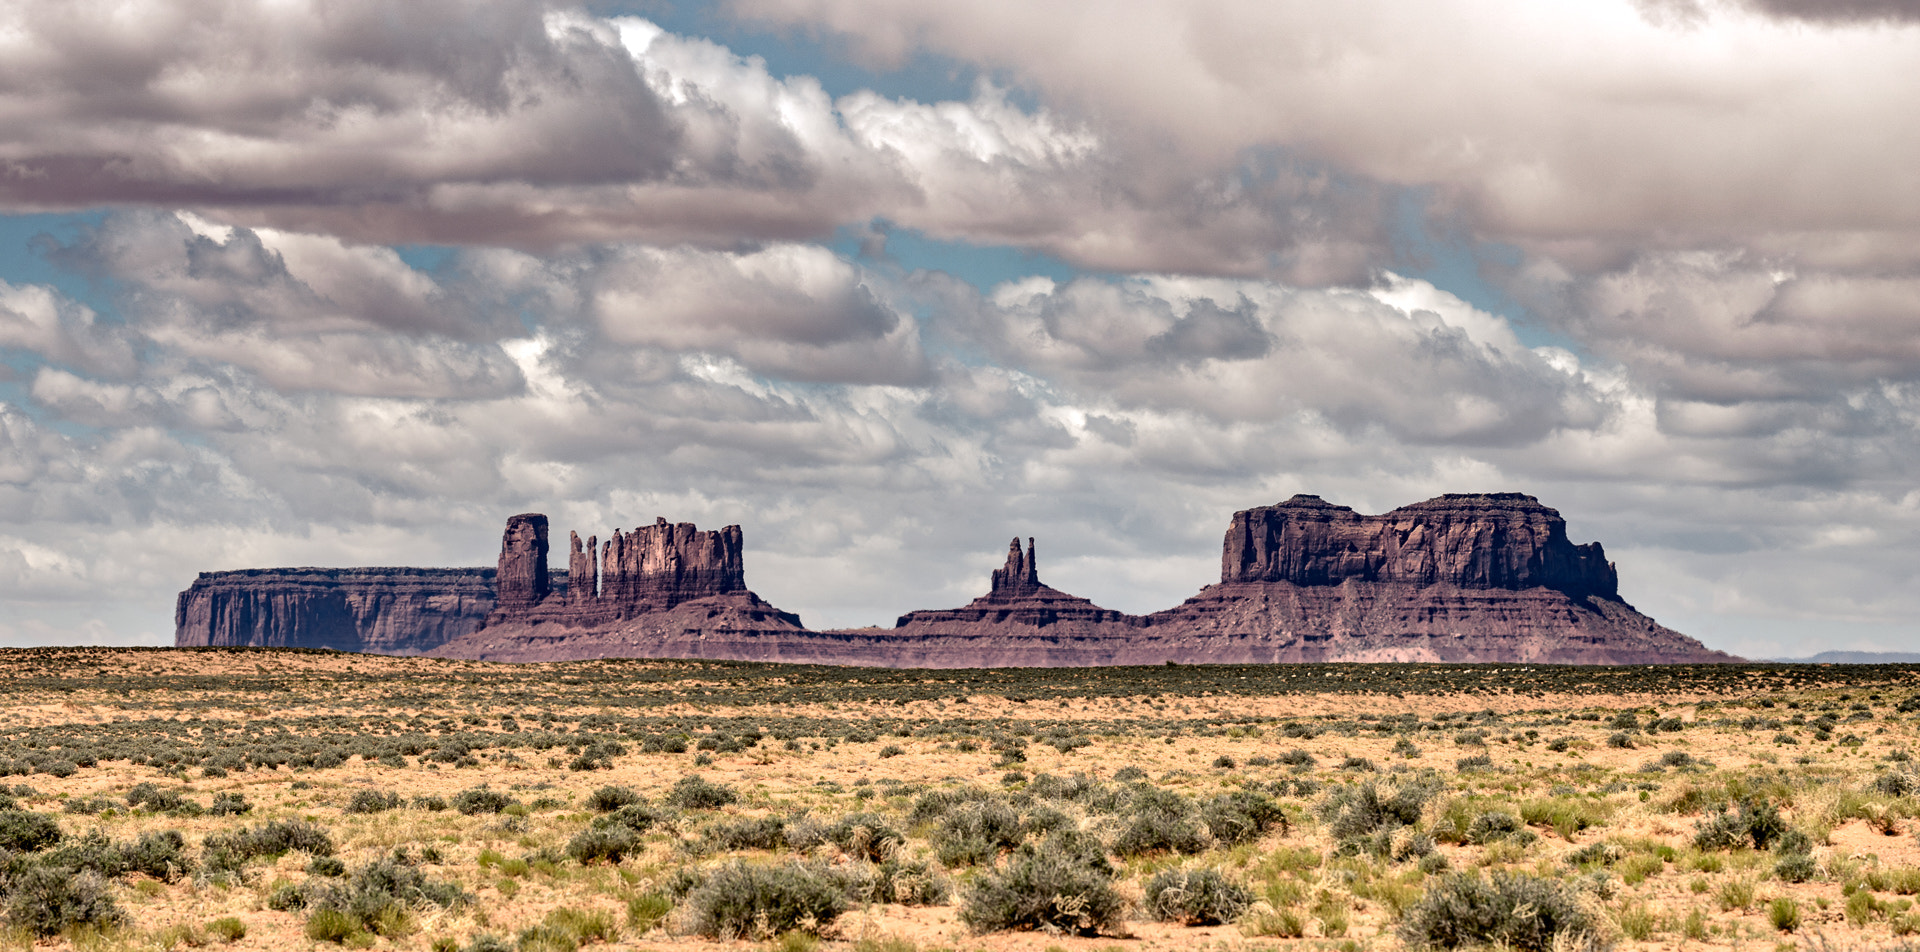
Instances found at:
x=1784 y=913
x=906 y=882
x=330 y=925
x=474 y=801
x=976 y=832
x=46 y=901
x=372 y=801
x=750 y=833
x=227 y=929
x=1364 y=808
x=25 y=832
x=1064 y=884
x=1162 y=822
x=758 y=902
x=230 y=804
x=695 y=792
x=647 y=910
x=1758 y=823
x=230 y=850
x=1242 y=817
x=866 y=835
x=1515 y=910
x=1197 y=897
x=610 y=798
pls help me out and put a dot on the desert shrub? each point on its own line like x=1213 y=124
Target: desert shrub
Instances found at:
x=610 y=798
x=1241 y=817
x=1493 y=826
x=372 y=801
x=1898 y=783
x=378 y=899
x=230 y=850
x=1297 y=758
x=755 y=833
x=46 y=900
x=160 y=801
x=1784 y=913
x=1365 y=808
x=976 y=832
x=227 y=929
x=1196 y=897
x=1128 y=774
x=637 y=817
x=1475 y=762
x=160 y=854
x=474 y=801
x=230 y=804
x=430 y=803
x=565 y=929
x=866 y=835
x=647 y=910
x=694 y=792
x=1161 y=822
x=609 y=844
x=1758 y=823
x=907 y=882
x=1514 y=910
x=1225 y=762
x=760 y=902
x=22 y=831
x=1622 y=740
x=1064 y=883
x=326 y=866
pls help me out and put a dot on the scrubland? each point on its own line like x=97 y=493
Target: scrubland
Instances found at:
x=239 y=799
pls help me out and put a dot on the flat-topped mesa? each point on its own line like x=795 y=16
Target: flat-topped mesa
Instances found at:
x=651 y=569
x=1467 y=540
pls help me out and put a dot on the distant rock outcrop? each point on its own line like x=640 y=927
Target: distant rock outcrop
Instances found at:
x=378 y=610
x=660 y=588
x=1461 y=578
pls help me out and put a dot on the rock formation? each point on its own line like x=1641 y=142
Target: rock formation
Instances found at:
x=379 y=610
x=658 y=591
x=1464 y=578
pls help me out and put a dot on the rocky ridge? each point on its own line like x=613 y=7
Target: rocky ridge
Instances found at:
x=1463 y=577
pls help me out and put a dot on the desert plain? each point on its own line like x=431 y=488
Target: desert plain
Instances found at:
x=274 y=799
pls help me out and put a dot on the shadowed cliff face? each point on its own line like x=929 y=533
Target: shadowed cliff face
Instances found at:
x=1463 y=578
x=1479 y=541
x=651 y=569
x=378 y=610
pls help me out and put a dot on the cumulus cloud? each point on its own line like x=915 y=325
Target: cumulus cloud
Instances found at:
x=536 y=124
x=1386 y=358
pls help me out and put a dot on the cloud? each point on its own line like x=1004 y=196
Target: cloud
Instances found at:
x=536 y=125
x=1360 y=359
x=39 y=320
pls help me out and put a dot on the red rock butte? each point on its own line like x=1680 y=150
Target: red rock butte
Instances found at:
x=1461 y=578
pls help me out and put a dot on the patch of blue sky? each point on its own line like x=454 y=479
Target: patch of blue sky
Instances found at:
x=922 y=76
x=24 y=242
x=1444 y=254
x=983 y=266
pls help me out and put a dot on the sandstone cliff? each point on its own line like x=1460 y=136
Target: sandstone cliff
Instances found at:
x=1464 y=578
x=379 y=610
x=662 y=590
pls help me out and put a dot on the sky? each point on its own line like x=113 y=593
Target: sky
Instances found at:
x=887 y=282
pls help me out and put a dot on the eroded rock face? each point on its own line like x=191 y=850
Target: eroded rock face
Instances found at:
x=1483 y=540
x=1463 y=578
x=1017 y=597
x=378 y=610
x=651 y=569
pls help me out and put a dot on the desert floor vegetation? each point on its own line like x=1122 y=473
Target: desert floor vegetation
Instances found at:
x=236 y=799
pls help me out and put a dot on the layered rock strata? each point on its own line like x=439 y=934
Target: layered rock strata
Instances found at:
x=1462 y=578
x=378 y=610
x=663 y=590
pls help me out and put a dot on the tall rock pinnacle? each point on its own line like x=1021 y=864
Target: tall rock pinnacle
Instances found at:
x=1021 y=574
x=522 y=578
